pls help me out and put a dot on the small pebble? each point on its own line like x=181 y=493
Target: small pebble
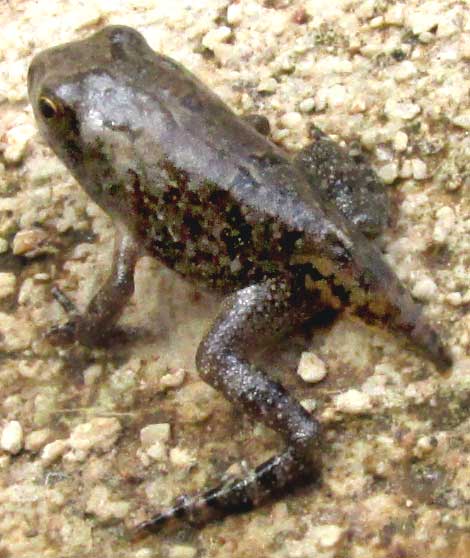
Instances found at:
x=3 y=245
x=400 y=141
x=158 y=451
x=311 y=368
x=182 y=458
x=406 y=170
x=327 y=536
x=425 y=289
x=395 y=15
x=28 y=241
x=462 y=120
x=291 y=120
x=173 y=379
x=454 y=299
x=7 y=284
x=11 y=439
x=424 y=446
x=420 y=171
x=234 y=14
x=37 y=439
x=51 y=452
x=101 y=504
x=216 y=36
x=401 y=109
x=404 y=70
x=424 y=17
x=92 y=373
x=154 y=439
x=182 y=551
x=309 y=404
x=388 y=173
x=154 y=433
x=445 y=222
x=16 y=142
x=267 y=86
x=353 y=402
x=100 y=433
x=307 y=105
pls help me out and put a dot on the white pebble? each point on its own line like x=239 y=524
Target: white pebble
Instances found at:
x=3 y=245
x=153 y=433
x=53 y=451
x=404 y=70
x=445 y=221
x=454 y=299
x=376 y=22
x=462 y=120
x=37 y=439
x=419 y=168
x=309 y=404
x=101 y=504
x=311 y=369
x=425 y=289
x=7 y=284
x=291 y=120
x=395 y=14
x=388 y=173
x=401 y=109
x=99 y=433
x=92 y=373
x=267 y=86
x=27 y=241
x=216 y=36
x=12 y=437
x=336 y=95
x=234 y=14
x=16 y=142
x=327 y=536
x=400 y=141
x=406 y=170
x=182 y=551
x=158 y=451
x=307 y=105
x=424 y=17
x=424 y=446
x=173 y=379
x=181 y=457
x=353 y=402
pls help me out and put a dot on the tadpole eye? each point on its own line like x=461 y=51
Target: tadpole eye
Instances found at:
x=49 y=108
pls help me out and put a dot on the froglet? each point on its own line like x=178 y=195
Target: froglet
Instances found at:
x=204 y=191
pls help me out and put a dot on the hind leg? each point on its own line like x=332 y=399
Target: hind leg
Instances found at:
x=249 y=319
x=352 y=186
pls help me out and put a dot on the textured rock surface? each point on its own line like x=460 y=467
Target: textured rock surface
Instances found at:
x=392 y=77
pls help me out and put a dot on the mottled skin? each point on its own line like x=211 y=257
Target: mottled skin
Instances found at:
x=185 y=179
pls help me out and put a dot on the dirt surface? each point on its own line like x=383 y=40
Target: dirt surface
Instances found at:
x=92 y=441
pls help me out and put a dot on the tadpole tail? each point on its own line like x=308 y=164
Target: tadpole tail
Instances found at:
x=271 y=478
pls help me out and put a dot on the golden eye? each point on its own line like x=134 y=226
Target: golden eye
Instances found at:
x=49 y=108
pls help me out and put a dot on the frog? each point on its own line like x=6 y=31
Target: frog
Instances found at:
x=282 y=237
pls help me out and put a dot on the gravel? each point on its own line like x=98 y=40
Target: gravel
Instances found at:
x=392 y=77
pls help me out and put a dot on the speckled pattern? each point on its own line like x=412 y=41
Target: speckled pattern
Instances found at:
x=394 y=477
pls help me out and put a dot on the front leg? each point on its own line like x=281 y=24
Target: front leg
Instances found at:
x=249 y=319
x=106 y=306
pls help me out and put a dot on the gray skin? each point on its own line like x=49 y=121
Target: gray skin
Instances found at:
x=186 y=180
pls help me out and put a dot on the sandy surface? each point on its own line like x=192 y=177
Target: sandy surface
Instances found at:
x=76 y=465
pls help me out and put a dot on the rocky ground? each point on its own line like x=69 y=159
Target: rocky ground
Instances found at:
x=92 y=441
